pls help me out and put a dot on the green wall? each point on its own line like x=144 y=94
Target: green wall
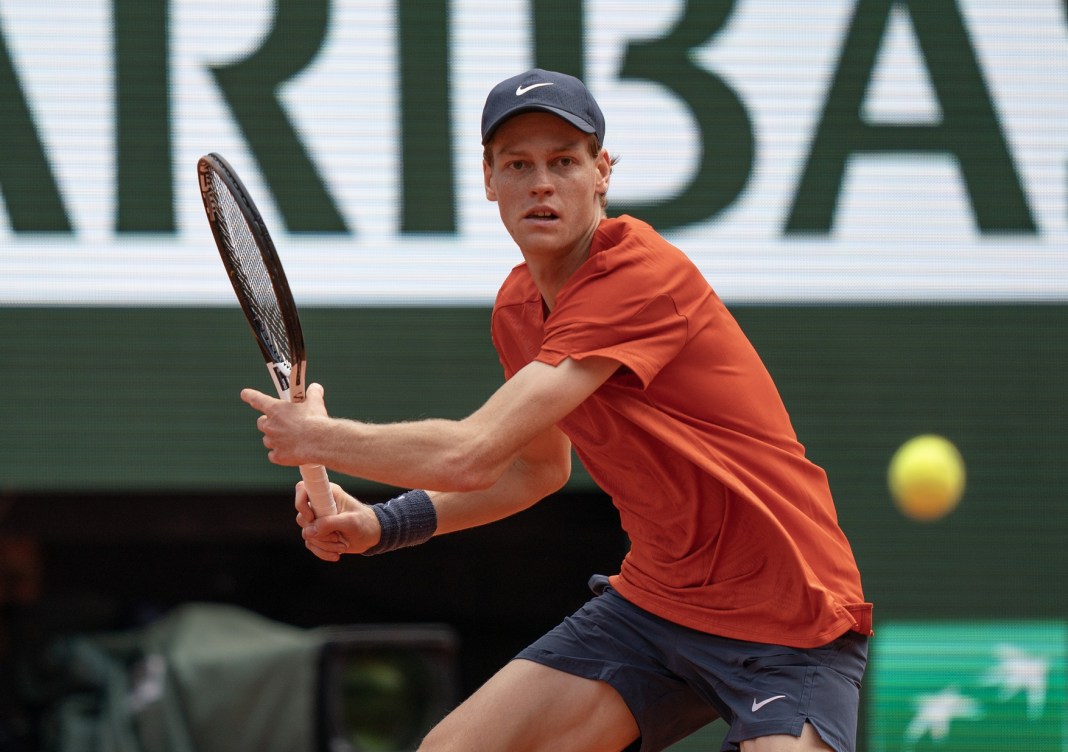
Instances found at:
x=139 y=400
x=143 y=404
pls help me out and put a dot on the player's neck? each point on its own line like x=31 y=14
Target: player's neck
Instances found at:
x=552 y=270
x=550 y=275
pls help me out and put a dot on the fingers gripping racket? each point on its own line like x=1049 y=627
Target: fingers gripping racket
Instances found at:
x=252 y=263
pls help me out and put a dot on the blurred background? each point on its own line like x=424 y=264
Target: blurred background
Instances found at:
x=876 y=188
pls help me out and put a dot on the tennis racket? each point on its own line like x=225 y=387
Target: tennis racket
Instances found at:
x=255 y=271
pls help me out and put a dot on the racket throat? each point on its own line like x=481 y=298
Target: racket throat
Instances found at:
x=280 y=373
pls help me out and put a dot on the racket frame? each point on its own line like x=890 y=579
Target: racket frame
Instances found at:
x=287 y=374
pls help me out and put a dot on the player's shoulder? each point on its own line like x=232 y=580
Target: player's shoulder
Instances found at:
x=614 y=231
x=625 y=239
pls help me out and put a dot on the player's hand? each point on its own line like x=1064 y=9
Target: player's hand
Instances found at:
x=353 y=530
x=288 y=428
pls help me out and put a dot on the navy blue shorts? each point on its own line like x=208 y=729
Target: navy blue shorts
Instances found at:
x=676 y=680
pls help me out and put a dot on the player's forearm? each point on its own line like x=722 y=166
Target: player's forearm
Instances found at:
x=440 y=454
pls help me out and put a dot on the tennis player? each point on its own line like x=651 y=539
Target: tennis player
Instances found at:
x=739 y=597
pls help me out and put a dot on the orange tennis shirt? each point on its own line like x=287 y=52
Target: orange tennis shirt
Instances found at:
x=732 y=529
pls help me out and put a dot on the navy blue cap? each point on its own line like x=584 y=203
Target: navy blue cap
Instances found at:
x=540 y=90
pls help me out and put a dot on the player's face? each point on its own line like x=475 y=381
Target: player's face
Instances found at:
x=547 y=184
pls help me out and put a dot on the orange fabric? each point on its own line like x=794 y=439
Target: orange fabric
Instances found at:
x=733 y=531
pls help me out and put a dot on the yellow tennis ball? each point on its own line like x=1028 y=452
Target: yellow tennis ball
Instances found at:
x=926 y=477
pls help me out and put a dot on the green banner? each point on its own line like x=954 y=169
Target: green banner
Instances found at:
x=968 y=686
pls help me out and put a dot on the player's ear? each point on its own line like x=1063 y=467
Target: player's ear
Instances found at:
x=487 y=176
x=604 y=171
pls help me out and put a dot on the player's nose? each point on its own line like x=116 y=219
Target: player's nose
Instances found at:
x=541 y=180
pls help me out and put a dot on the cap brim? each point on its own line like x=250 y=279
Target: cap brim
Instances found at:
x=574 y=120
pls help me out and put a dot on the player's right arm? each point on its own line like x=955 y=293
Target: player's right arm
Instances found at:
x=448 y=455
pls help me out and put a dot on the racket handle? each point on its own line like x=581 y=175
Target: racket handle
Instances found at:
x=317 y=484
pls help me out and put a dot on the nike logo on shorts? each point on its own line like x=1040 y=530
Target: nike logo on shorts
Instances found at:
x=758 y=705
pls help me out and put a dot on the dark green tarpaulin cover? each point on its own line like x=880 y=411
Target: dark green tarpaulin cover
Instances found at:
x=206 y=678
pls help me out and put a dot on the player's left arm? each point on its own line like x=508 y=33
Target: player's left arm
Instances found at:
x=471 y=454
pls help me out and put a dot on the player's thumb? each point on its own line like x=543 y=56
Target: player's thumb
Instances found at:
x=316 y=395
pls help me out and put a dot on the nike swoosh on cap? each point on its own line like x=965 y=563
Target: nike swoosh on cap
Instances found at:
x=521 y=90
x=758 y=705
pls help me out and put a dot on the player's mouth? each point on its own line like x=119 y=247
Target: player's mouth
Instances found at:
x=542 y=215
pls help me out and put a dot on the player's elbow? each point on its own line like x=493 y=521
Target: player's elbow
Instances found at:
x=545 y=474
x=537 y=479
x=555 y=475
x=473 y=478
x=477 y=468
x=481 y=459
x=472 y=468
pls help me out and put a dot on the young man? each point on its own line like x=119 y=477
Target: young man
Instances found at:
x=739 y=597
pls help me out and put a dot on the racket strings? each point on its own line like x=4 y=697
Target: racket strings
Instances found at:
x=251 y=275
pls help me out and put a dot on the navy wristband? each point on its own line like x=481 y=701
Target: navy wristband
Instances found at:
x=407 y=520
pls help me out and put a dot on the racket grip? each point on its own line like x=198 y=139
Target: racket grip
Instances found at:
x=317 y=484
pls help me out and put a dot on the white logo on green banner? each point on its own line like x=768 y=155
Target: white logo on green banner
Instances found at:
x=952 y=686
